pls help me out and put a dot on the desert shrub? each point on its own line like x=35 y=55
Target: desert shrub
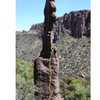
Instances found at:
x=24 y=80
x=74 y=88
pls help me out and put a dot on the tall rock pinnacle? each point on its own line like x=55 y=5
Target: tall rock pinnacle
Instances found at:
x=46 y=67
x=50 y=18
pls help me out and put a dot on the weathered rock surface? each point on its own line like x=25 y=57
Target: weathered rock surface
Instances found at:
x=49 y=20
x=42 y=78
x=46 y=67
x=78 y=22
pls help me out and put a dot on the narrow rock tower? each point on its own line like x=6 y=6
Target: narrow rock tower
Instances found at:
x=46 y=67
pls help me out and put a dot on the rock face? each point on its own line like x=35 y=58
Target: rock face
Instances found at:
x=46 y=67
x=47 y=90
x=37 y=27
x=58 y=28
x=50 y=18
x=78 y=23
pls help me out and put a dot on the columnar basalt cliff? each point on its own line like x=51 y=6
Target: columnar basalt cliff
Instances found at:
x=78 y=22
x=46 y=67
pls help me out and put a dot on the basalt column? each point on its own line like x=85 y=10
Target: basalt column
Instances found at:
x=46 y=67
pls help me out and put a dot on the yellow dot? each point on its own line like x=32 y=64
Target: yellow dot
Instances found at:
x=49 y=31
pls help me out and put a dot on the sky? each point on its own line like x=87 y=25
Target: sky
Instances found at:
x=29 y=12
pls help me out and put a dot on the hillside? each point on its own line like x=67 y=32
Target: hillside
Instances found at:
x=73 y=50
x=72 y=88
x=72 y=36
x=74 y=53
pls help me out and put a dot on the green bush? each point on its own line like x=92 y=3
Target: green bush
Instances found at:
x=74 y=88
x=24 y=80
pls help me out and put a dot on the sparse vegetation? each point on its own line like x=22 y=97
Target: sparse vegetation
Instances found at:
x=73 y=53
x=24 y=80
x=75 y=88
x=74 y=57
x=72 y=88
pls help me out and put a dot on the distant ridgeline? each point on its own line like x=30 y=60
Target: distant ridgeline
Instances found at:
x=77 y=22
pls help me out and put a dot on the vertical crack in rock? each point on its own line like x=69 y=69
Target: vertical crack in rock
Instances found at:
x=46 y=67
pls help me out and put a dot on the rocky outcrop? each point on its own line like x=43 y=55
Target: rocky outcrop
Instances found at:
x=38 y=27
x=49 y=20
x=78 y=22
x=58 y=28
x=46 y=67
x=47 y=90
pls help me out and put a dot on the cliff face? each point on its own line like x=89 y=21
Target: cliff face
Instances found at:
x=38 y=27
x=77 y=22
